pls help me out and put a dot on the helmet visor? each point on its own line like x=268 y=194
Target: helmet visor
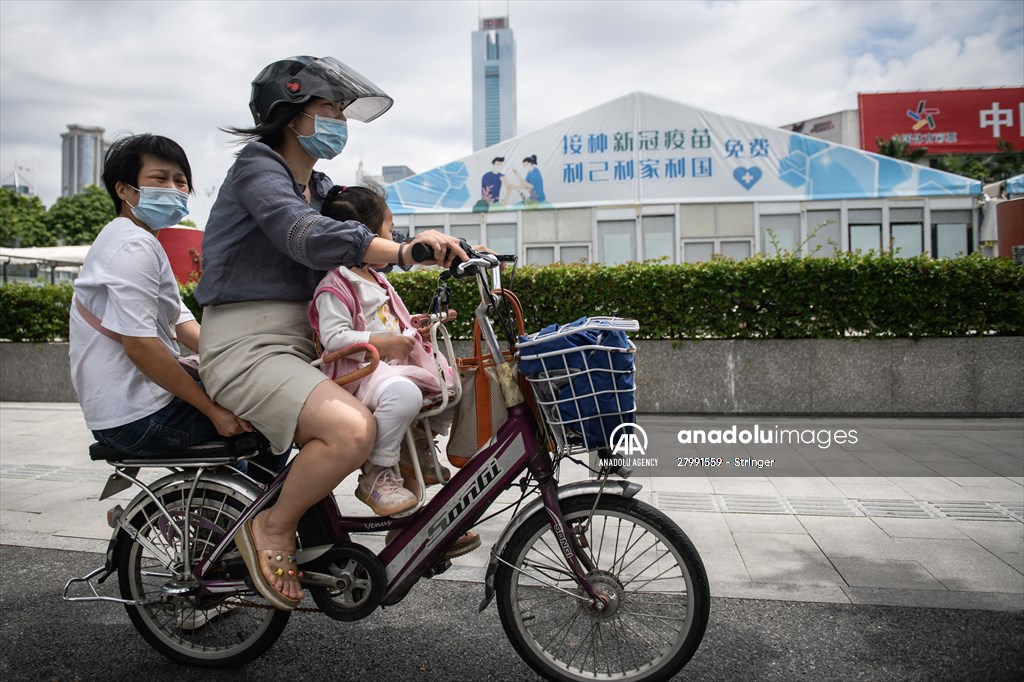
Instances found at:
x=330 y=79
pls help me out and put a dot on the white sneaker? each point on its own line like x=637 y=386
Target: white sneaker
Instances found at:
x=197 y=618
x=382 y=491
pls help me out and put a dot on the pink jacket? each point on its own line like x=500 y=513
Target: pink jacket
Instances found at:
x=419 y=366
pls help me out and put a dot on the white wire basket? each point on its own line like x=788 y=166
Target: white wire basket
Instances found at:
x=582 y=376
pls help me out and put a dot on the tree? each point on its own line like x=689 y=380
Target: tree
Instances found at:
x=22 y=221
x=898 y=149
x=187 y=222
x=77 y=219
x=987 y=168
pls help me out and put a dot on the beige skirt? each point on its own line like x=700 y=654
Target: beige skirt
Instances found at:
x=255 y=362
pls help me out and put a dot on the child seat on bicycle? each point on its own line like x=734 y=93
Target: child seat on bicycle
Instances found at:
x=359 y=305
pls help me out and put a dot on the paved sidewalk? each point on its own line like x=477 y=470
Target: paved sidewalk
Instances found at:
x=917 y=512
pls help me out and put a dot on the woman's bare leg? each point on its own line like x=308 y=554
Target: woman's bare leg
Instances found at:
x=338 y=432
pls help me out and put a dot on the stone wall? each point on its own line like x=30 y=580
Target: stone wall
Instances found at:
x=962 y=377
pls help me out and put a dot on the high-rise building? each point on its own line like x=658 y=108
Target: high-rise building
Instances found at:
x=82 y=150
x=494 y=83
x=396 y=173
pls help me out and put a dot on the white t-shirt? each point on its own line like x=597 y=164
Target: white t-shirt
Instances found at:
x=127 y=282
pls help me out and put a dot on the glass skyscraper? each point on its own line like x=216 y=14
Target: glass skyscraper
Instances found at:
x=494 y=83
x=82 y=150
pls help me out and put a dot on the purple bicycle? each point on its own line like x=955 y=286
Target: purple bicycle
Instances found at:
x=590 y=582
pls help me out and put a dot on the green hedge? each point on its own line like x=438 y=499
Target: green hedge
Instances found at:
x=30 y=312
x=784 y=297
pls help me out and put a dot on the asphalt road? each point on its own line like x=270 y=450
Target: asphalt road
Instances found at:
x=436 y=634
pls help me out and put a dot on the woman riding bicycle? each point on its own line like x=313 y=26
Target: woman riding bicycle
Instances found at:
x=265 y=249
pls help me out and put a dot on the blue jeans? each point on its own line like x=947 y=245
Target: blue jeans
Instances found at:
x=176 y=426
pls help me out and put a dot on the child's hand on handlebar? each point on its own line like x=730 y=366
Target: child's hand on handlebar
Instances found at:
x=393 y=346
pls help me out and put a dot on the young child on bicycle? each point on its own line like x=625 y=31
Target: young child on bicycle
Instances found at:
x=359 y=305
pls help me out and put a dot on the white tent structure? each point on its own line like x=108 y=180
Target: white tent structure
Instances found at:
x=643 y=177
x=55 y=263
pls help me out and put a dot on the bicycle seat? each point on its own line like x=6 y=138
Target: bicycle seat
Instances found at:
x=221 y=451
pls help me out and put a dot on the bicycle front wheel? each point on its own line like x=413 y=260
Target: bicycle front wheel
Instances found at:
x=657 y=593
x=194 y=629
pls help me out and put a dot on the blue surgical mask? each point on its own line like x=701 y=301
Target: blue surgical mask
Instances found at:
x=160 y=207
x=328 y=139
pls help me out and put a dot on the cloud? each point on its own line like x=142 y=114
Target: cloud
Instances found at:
x=183 y=69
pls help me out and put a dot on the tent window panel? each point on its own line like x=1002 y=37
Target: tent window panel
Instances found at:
x=824 y=233
x=907 y=239
x=697 y=220
x=865 y=229
x=574 y=254
x=780 y=233
x=735 y=250
x=540 y=255
x=736 y=220
x=951 y=240
x=420 y=229
x=698 y=252
x=471 y=233
x=502 y=238
x=951 y=233
x=659 y=237
x=906 y=215
x=616 y=241
x=865 y=237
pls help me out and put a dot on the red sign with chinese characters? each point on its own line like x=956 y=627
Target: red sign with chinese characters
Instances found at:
x=944 y=121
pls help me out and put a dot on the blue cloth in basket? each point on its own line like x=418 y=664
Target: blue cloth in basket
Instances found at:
x=571 y=360
x=602 y=385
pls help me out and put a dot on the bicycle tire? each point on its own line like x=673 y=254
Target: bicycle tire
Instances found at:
x=641 y=559
x=210 y=632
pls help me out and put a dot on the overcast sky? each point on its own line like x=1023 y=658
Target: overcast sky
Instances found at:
x=183 y=69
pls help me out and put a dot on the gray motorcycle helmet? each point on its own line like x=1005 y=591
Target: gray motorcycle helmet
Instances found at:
x=296 y=80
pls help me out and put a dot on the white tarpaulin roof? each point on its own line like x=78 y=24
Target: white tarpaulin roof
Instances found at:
x=640 y=148
x=63 y=255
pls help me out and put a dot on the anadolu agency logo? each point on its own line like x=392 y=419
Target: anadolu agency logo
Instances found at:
x=631 y=443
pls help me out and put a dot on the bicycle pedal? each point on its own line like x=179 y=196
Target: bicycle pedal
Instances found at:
x=438 y=568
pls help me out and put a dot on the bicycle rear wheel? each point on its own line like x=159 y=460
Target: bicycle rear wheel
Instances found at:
x=657 y=589
x=195 y=629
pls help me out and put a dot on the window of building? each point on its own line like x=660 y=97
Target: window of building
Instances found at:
x=698 y=251
x=540 y=255
x=907 y=229
x=697 y=220
x=560 y=253
x=824 y=233
x=502 y=239
x=703 y=250
x=419 y=229
x=952 y=233
x=616 y=241
x=865 y=225
x=735 y=249
x=574 y=253
x=780 y=233
x=659 y=238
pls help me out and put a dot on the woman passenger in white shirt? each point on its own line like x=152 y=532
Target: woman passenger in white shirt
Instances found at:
x=128 y=318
